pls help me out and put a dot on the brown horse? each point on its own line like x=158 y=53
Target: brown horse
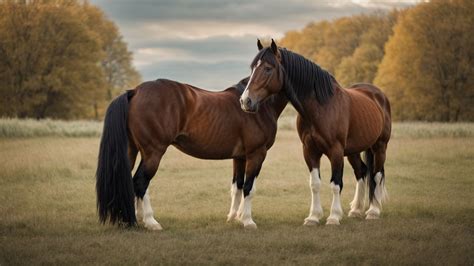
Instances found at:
x=203 y=124
x=333 y=121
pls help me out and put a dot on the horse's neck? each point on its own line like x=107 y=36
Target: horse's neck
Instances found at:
x=311 y=103
x=277 y=104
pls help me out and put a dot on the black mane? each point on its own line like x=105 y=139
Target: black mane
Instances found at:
x=241 y=85
x=303 y=78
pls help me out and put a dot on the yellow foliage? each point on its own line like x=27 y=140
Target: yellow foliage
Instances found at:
x=53 y=59
x=349 y=47
x=428 y=67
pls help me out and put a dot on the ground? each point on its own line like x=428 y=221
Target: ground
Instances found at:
x=48 y=213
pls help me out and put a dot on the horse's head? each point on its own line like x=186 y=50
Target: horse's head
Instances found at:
x=266 y=79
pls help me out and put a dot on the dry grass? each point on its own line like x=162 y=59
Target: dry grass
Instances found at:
x=27 y=128
x=47 y=214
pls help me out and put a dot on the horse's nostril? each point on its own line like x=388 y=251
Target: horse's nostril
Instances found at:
x=248 y=101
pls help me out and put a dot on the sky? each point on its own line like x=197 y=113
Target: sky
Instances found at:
x=210 y=43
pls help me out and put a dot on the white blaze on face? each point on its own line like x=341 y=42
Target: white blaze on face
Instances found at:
x=245 y=95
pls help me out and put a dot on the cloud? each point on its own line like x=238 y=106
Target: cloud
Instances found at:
x=182 y=39
x=211 y=76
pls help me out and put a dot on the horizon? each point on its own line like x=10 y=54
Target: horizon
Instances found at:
x=207 y=44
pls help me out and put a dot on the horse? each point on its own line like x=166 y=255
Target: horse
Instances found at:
x=200 y=123
x=331 y=120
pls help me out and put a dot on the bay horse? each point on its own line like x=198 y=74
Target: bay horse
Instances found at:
x=331 y=120
x=200 y=123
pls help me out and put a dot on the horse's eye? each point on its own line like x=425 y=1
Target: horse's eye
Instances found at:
x=268 y=69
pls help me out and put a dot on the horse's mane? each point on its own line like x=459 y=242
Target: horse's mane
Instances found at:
x=240 y=86
x=303 y=78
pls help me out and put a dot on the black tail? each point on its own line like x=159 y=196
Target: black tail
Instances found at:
x=115 y=196
x=369 y=161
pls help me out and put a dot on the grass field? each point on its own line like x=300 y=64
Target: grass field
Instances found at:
x=48 y=216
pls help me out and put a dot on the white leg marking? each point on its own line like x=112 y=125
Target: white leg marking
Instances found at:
x=148 y=219
x=236 y=197
x=358 y=203
x=316 y=211
x=245 y=210
x=139 y=209
x=336 y=209
x=380 y=195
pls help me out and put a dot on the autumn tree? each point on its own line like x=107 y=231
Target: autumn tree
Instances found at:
x=351 y=47
x=57 y=58
x=118 y=72
x=362 y=64
x=428 y=67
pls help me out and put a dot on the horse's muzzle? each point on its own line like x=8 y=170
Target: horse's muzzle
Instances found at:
x=247 y=105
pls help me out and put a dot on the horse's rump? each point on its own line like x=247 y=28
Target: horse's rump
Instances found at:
x=367 y=116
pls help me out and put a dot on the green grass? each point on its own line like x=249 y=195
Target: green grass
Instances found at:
x=47 y=210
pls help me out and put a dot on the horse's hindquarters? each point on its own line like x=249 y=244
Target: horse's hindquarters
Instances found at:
x=366 y=122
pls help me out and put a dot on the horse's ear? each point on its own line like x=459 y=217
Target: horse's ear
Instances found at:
x=274 y=47
x=259 y=45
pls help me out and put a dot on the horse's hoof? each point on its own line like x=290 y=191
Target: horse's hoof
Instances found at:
x=231 y=217
x=355 y=214
x=371 y=216
x=310 y=222
x=332 y=221
x=250 y=225
x=154 y=227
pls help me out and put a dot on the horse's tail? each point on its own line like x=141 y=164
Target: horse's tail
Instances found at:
x=114 y=186
x=369 y=162
x=375 y=181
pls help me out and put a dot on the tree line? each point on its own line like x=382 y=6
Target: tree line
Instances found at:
x=66 y=59
x=60 y=59
x=421 y=57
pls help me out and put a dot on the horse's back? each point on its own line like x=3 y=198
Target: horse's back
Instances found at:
x=372 y=92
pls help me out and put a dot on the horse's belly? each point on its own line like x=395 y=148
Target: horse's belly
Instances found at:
x=206 y=149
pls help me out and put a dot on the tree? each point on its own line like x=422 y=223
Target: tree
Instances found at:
x=54 y=60
x=350 y=47
x=119 y=73
x=363 y=64
x=360 y=66
x=428 y=67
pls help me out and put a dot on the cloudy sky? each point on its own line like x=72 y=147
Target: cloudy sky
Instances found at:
x=210 y=43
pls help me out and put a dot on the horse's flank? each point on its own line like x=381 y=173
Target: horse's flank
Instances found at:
x=201 y=123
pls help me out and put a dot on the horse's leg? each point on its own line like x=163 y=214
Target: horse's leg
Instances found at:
x=360 y=169
x=236 y=188
x=336 y=157
x=377 y=191
x=252 y=169
x=144 y=206
x=141 y=180
x=132 y=153
x=313 y=159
